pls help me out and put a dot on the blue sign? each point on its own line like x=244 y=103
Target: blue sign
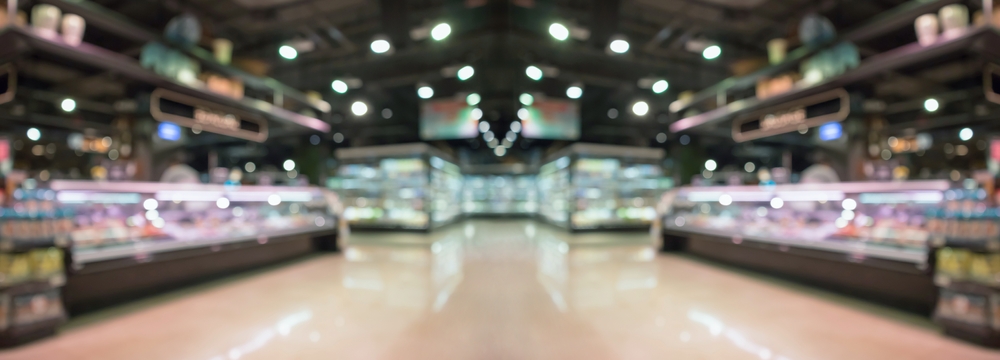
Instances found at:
x=830 y=131
x=169 y=131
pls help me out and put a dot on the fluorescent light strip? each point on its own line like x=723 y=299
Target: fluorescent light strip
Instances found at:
x=928 y=197
x=82 y=197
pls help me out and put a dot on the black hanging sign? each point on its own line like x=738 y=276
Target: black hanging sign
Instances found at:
x=991 y=83
x=8 y=83
x=192 y=112
x=811 y=111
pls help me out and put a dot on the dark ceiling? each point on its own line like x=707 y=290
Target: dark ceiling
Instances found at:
x=500 y=38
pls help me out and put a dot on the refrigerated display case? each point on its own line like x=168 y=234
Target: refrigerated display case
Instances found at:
x=500 y=195
x=132 y=237
x=869 y=237
x=590 y=186
x=410 y=186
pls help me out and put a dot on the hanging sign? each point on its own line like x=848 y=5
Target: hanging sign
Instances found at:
x=8 y=83
x=811 y=111
x=991 y=83
x=192 y=112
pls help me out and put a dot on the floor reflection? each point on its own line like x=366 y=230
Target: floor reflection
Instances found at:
x=499 y=289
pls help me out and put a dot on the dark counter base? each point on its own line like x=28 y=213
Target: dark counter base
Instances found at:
x=105 y=283
x=21 y=334
x=894 y=283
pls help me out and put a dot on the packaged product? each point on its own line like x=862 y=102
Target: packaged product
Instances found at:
x=30 y=308
x=968 y=308
x=953 y=263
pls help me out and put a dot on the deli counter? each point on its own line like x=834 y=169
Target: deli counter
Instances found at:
x=132 y=238
x=871 y=239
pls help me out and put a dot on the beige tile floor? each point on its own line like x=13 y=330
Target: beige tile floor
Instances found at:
x=501 y=290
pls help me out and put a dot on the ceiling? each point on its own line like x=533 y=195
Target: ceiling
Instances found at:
x=499 y=38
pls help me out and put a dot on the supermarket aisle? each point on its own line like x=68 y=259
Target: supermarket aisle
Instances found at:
x=499 y=290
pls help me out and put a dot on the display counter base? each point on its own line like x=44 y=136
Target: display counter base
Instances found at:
x=21 y=334
x=895 y=283
x=979 y=334
x=109 y=282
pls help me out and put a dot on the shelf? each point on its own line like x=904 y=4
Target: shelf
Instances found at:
x=980 y=245
x=34 y=286
x=898 y=17
x=21 y=245
x=882 y=252
x=112 y=22
x=16 y=41
x=142 y=249
x=974 y=39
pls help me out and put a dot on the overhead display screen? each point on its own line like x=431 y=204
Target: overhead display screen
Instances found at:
x=448 y=119
x=550 y=119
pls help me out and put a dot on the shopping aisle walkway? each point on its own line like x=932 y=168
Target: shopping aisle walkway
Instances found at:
x=501 y=290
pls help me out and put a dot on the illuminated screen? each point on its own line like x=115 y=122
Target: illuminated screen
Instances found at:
x=551 y=119
x=447 y=119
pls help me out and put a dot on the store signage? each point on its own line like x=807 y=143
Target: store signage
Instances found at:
x=171 y=107
x=8 y=83
x=811 y=111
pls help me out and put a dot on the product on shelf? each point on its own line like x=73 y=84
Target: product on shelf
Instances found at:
x=32 y=308
x=877 y=219
x=968 y=308
x=133 y=218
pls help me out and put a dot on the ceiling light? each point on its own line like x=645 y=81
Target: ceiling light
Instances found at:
x=559 y=31
x=640 y=108
x=660 y=86
x=473 y=99
x=425 y=92
x=466 y=72
x=533 y=72
x=749 y=167
x=387 y=113
x=288 y=52
x=484 y=126
x=522 y=114
x=711 y=165
x=932 y=105
x=712 y=52
x=476 y=114
x=440 y=31
x=515 y=127
x=500 y=151
x=381 y=46
x=661 y=138
x=359 y=108
x=526 y=99
x=965 y=134
x=574 y=92
x=511 y=136
x=488 y=136
x=619 y=46
x=34 y=134
x=288 y=165
x=68 y=105
x=339 y=86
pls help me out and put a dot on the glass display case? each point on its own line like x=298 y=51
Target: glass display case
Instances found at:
x=114 y=220
x=500 y=195
x=408 y=186
x=887 y=221
x=589 y=186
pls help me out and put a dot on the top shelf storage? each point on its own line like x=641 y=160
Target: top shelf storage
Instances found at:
x=982 y=40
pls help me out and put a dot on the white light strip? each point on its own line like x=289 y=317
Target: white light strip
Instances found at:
x=81 y=197
x=194 y=195
x=765 y=196
x=928 y=197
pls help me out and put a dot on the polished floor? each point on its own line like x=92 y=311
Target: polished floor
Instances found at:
x=500 y=290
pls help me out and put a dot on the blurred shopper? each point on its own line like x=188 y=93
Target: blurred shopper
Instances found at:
x=179 y=172
x=820 y=172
